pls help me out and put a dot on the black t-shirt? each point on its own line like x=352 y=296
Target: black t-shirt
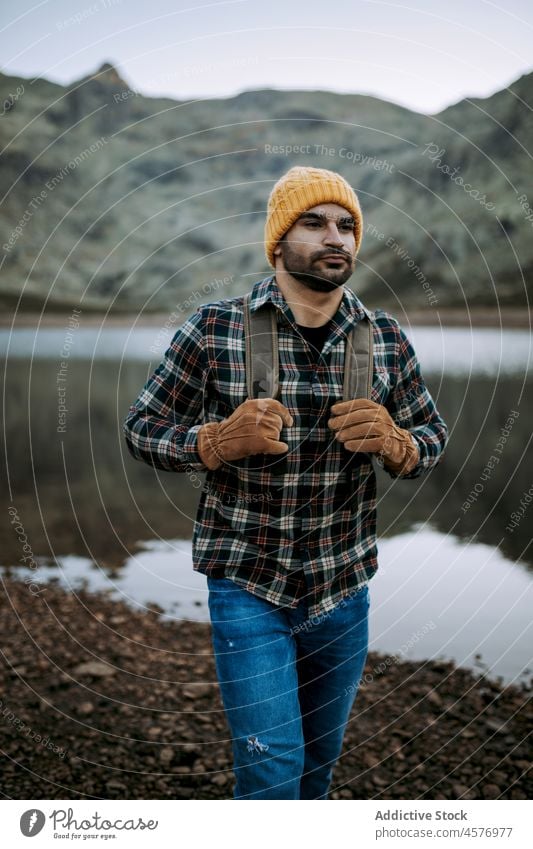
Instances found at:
x=316 y=337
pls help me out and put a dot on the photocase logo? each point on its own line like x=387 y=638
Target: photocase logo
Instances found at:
x=31 y=822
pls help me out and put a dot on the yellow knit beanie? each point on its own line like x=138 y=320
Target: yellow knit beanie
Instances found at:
x=300 y=189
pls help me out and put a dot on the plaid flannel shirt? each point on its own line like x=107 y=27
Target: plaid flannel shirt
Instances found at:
x=311 y=530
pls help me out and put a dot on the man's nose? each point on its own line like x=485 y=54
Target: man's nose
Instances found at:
x=333 y=236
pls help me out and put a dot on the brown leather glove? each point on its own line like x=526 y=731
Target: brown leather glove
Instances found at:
x=253 y=428
x=363 y=425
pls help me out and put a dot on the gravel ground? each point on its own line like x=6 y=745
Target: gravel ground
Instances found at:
x=100 y=701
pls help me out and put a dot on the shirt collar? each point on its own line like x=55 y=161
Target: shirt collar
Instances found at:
x=351 y=309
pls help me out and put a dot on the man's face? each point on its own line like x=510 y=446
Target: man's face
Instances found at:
x=319 y=248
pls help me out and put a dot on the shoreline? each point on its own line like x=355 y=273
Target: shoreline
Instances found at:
x=133 y=703
x=506 y=317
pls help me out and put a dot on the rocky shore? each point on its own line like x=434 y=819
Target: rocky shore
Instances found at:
x=102 y=701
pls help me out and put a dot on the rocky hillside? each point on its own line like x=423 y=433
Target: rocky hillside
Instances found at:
x=113 y=200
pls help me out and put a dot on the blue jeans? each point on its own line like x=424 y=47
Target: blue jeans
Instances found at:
x=288 y=683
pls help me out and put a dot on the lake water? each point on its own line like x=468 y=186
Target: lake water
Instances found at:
x=455 y=350
x=425 y=597
x=455 y=566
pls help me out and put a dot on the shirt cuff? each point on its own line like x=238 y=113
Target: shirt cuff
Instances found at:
x=189 y=450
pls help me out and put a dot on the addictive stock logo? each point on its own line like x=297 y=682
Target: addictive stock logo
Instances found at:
x=31 y=822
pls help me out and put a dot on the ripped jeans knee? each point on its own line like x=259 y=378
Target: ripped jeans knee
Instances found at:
x=253 y=744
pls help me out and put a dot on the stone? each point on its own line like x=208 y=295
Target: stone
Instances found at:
x=220 y=779
x=459 y=790
x=434 y=699
x=490 y=791
x=94 y=668
x=154 y=732
x=166 y=755
x=197 y=691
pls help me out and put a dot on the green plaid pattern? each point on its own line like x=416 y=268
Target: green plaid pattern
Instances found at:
x=312 y=529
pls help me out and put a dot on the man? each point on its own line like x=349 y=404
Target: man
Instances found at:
x=288 y=556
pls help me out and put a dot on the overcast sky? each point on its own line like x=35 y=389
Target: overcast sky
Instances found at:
x=424 y=54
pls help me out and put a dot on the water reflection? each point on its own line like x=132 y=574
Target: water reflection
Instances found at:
x=80 y=492
x=457 y=350
x=431 y=597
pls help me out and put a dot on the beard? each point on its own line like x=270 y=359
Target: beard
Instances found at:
x=305 y=269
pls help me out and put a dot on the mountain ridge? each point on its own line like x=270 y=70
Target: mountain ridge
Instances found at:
x=148 y=198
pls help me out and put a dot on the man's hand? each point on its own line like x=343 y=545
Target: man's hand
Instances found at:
x=363 y=425
x=253 y=428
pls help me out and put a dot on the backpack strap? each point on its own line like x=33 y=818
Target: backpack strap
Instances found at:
x=359 y=361
x=262 y=356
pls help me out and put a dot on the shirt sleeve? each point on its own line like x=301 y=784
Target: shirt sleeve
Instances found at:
x=413 y=409
x=162 y=424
